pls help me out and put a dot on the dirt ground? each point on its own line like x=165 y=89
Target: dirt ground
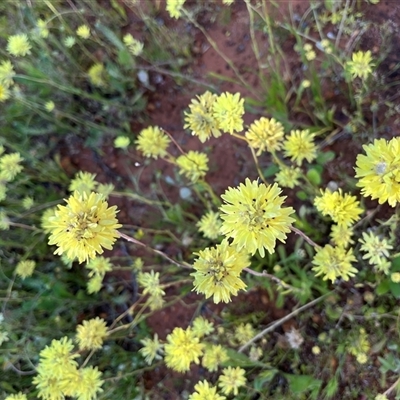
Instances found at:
x=230 y=164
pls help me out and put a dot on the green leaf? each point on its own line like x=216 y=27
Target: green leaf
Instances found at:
x=302 y=383
x=395 y=289
x=270 y=171
x=332 y=387
x=110 y=35
x=325 y=157
x=302 y=195
x=383 y=287
x=263 y=378
x=314 y=177
x=395 y=264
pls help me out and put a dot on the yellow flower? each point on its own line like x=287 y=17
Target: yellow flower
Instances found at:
x=299 y=146
x=105 y=189
x=182 y=348
x=48 y=387
x=174 y=8
x=228 y=2
x=4 y=94
x=49 y=106
x=214 y=356
x=150 y=281
x=83 y=32
x=134 y=46
x=83 y=182
x=122 y=142
x=265 y=135
x=99 y=266
x=153 y=142
x=243 y=333
x=210 y=225
x=18 y=396
x=288 y=177
x=305 y=84
x=218 y=272
x=10 y=166
x=334 y=262
x=193 y=165
x=395 y=277
x=85 y=385
x=97 y=75
x=18 y=45
x=375 y=247
x=91 y=334
x=151 y=349
x=228 y=110
x=7 y=74
x=45 y=221
x=254 y=218
x=360 y=65
x=202 y=327
x=25 y=268
x=205 y=392
x=344 y=209
x=200 y=119
x=69 y=41
x=341 y=235
x=27 y=202
x=4 y=221
x=94 y=284
x=379 y=171
x=231 y=380
x=42 y=28
x=84 y=226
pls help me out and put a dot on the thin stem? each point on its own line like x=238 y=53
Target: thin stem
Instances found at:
x=160 y=253
x=267 y=275
x=282 y=321
x=392 y=387
x=304 y=236
x=258 y=166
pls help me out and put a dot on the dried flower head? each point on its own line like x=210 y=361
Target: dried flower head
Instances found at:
x=265 y=135
x=218 y=271
x=84 y=226
x=153 y=142
x=254 y=218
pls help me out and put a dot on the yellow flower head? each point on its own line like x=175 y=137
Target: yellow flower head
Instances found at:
x=378 y=171
x=214 y=356
x=375 y=247
x=151 y=349
x=193 y=165
x=205 y=391
x=10 y=166
x=231 y=380
x=153 y=142
x=83 y=182
x=25 y=268
x=361 y=64
x=42 y=28
x=49 y=386
x=91 y=334
x=18 y=45
x=7 y=74
x=182 y=348
x=254 y=217
x=228 y=110
x=299 y=146
x=210 y=225
x=49 y=106
x=243 y=333
x=218 y=271
x=83 y=384
x=94 y=284
x=265 y=135
x=200 y=119
x=288 y=177
x=97 y=75
x=69 y=41
x=150 y=282
x=83 y=32
x=84 y=226
x=45 y=221
x=395 y=277
x=344 y=209
x=334 y=262
x=341 y=235
x=174 y=8
x=134 y=46
x=4 y=94
x=18 y=396
x=122 y=142
x=27 y=202
x=4 y=221
x=99 y=266
x=202 y=327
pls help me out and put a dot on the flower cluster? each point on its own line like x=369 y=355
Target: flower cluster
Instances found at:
x=84 y=226
x=344 y=209
x=210 y=114
x=379 y=171
x=98 y=267
x=254 y=218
